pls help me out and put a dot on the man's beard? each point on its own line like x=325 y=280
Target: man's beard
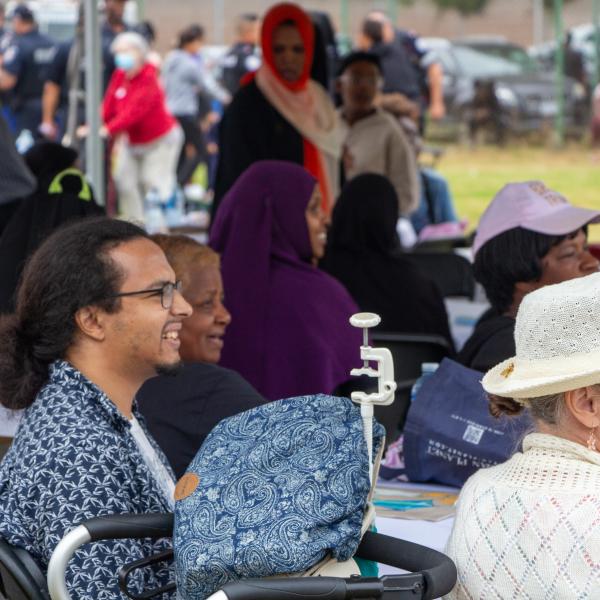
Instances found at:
x=171 y=370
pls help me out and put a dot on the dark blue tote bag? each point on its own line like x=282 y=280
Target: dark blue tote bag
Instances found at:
x=449 y=432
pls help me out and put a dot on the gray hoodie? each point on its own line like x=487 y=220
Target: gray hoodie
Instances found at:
x=184 y=77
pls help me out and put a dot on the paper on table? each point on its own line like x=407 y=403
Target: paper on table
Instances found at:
x=415 y=487
x=410 y=501
x=432 y=513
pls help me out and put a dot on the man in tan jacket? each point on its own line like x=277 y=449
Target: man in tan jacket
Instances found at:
x=374 y=141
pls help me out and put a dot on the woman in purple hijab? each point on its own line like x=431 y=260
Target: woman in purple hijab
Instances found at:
x=289 y=333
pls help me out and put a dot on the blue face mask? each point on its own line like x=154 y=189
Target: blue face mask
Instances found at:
x=124 y=60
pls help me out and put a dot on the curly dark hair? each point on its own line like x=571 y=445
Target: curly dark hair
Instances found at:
x=70 y=270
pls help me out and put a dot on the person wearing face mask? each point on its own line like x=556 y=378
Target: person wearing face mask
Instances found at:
x=280 y=113
x=149 y=138
x=202 y=394
x=289 y=333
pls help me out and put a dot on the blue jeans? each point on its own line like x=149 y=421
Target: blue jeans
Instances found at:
x=436 y=204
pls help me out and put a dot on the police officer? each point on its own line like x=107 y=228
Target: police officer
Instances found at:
x=64 y=88
x=23 y=71
x=242 y=57
x=426 y=68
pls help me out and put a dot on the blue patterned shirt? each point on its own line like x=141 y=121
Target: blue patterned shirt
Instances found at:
x=72 y=459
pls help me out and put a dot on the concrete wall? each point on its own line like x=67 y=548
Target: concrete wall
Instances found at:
x=511 y=18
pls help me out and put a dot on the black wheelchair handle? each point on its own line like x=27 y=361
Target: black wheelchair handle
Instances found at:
x=432 y=573
x=151 y=525
x=304 y=588
x=438 y=571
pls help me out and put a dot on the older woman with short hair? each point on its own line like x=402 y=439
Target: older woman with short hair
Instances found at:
x=150 y=139
x=198 y=267
x=181 y=411
x=529 y=528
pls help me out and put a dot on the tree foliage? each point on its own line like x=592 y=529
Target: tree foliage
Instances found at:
x=464 y=7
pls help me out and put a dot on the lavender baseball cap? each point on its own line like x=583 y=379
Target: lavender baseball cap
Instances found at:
x=531 y=205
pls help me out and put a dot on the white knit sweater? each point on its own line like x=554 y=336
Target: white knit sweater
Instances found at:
x=530 y=527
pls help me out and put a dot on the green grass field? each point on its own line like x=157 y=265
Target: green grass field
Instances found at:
x=475 y=175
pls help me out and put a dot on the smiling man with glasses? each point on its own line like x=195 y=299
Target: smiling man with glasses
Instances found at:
x=98 y=312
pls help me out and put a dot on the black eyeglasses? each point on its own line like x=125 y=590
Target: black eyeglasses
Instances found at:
x=166 y=292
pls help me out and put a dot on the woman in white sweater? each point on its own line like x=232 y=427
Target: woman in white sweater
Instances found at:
x=530 y=527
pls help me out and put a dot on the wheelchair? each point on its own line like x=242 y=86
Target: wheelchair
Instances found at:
x=430 y=574
x=426 y=573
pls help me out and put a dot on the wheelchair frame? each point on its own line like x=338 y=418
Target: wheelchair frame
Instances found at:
x=431 y=573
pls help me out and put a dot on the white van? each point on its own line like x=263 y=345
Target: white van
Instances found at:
x=58 y=18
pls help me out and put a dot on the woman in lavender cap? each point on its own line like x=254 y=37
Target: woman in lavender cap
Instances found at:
x=529 y=236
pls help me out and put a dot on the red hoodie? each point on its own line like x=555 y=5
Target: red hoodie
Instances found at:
x=136 y=106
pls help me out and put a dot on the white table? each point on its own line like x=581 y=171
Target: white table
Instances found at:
x=432 y=534
x=426 y=533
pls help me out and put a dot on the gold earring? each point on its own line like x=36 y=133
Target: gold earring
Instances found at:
x=591 y=441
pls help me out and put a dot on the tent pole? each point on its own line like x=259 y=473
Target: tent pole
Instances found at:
x=94 y=158
x=560 y=72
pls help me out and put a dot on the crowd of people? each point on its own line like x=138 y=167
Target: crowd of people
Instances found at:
x=123 y=350
x=309 y=107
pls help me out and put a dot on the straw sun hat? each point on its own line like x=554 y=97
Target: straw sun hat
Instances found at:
x=557 y=337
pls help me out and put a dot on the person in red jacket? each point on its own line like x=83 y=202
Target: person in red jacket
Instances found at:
x=149 y=138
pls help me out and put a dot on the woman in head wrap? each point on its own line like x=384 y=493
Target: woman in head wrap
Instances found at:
x=363 y=252
x=281 y=113
x=289 y=333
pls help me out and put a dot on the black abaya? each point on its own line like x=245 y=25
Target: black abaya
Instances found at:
x=252 y=130
x=363 y=252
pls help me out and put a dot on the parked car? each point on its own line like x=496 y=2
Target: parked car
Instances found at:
x=498 y=45
x=58 y=18
x=525 y=96
x=582 y=39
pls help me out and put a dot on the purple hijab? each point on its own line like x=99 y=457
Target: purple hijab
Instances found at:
x=289 y=333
